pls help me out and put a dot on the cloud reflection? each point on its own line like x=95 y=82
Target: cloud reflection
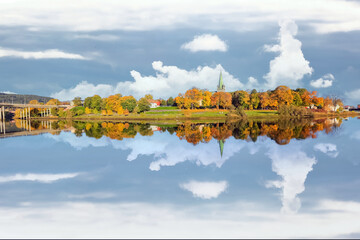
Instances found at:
x=293 y=165
x=205 y=190
x=43 y=178
x=167 y=150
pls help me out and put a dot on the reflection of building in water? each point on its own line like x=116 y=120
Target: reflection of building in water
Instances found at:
x=155 y=128
x=221 y=145
x=221 y=86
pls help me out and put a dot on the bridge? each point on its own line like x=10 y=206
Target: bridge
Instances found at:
x=25 y=112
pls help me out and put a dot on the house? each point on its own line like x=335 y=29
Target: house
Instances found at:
x=154 y=103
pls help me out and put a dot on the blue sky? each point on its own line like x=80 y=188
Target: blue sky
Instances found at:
x=67 y=49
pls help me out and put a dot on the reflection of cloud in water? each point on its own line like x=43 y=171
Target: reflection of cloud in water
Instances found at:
x=293 y=165
x=79 y=142
x=205 y=190
x=43 y=178
x=356 y=135
x=92 y=195
x=167 y=150
x=327 y=148
x=326 y=219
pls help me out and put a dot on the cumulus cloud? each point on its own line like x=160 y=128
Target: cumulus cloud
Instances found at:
x=353 y=95
x=205 y=190
x=100 y=37
x=168 y=81
x=43 y=178
x=293 y=165
x=323 y=82
x=141 y=15
x=290 y=66
x=47 y=54
x=205 y=42
x=252 y=83
x=327 y=148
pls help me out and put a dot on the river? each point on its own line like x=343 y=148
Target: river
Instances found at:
x=280 y=179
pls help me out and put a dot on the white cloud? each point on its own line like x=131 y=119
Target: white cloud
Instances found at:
x=47 y=54
x=252 y=83
x=293 y=165
x=353 y=95
x=290 y=66
x=44 y=178
x=168 y=81
x=100 y=37
x=327 y=148
x=205 y=42
x=323 y=82
x=91 y=15
x=8 y=92
x=205 y=190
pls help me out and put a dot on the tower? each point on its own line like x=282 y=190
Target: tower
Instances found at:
x=221 y=86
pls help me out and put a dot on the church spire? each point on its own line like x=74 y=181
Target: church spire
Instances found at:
x=221 y=86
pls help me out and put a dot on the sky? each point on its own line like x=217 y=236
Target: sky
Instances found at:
x=81 y=48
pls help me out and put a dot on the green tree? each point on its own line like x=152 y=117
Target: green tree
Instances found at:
x=170 y=101
x=96 y=102
x=162 y=102
x=87 y=102
x=129 y=103
x=143 y=105
x=254 y=99
x=241 y=98
x=77 y=101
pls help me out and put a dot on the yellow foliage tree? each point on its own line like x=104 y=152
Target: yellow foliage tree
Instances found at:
x=120 y=110
x=87 y=110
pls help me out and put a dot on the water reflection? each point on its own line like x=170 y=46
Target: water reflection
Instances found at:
x=235 y=179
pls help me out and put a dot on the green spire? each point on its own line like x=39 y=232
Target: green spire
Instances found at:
x=221 y=81
x=221 y=144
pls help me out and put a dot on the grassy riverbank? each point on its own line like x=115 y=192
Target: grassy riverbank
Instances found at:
x=171 y=114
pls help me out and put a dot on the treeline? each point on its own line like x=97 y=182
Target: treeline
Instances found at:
x=288 y=102
x=271 y=99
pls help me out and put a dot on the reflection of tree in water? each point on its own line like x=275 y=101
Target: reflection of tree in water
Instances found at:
x=281 y=131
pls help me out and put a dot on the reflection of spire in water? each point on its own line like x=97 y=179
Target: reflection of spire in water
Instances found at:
x=221 y=144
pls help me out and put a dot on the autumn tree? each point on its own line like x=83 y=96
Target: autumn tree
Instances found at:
x=221 y=100
x=193 y=97
x=241 y=98
x=53 y=102
x=283 y=95
x=206 y=98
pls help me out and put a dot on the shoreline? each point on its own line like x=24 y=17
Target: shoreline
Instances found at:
x=271 y=116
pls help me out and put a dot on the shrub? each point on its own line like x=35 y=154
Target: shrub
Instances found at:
x=77 y=111
x=294 y=111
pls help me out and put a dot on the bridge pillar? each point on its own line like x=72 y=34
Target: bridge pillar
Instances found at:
x=29 y=112
x=1 y=115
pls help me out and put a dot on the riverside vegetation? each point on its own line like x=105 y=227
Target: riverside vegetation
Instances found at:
x=281 y=102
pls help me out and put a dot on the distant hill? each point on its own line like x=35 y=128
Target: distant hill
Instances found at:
x=21 y=98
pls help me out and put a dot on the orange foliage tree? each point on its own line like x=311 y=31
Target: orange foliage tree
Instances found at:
x=221 y=99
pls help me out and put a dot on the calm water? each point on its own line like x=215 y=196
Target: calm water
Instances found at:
x=278 y=179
